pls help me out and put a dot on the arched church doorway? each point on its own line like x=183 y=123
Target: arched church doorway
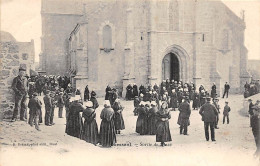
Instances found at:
x=171 y=67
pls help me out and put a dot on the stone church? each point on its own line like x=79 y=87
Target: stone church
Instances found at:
x=118 y=42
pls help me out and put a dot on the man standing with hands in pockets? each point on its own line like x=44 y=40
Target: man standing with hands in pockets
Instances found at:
x=209 y=112
x=20 y=87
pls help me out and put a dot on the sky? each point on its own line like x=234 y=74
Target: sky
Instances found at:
x=22 y=18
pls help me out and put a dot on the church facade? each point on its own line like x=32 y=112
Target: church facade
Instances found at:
x=118 y=42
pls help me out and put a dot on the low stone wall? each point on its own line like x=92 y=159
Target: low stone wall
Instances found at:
x=10 y=61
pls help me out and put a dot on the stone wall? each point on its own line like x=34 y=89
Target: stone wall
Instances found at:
x=11 y=58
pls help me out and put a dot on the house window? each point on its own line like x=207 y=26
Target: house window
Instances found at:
x=107 y=37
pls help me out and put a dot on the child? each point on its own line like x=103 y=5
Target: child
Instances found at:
x=226 y=112
x=35 y=108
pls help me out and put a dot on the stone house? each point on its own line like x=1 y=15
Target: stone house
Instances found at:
x=13 y=55
x=118 y=42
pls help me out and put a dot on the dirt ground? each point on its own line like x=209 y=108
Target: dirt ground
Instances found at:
x=23 y=145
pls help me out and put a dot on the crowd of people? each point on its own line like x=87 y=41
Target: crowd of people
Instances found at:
x=252 y=88
x=152 y=105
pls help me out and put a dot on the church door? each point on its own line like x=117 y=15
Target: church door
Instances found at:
x=170 y=67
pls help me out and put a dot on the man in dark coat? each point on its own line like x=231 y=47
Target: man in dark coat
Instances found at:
x=53 y=103
x=213 y=91
x=48 y=107
x=226 y=89
x=108 y=91
x=226 y=111
x=215 y=103
x=209 y=113
x=20 y=87
x=185 y=112
x=86 y=93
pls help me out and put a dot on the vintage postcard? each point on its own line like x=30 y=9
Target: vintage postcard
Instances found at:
x=130 y=82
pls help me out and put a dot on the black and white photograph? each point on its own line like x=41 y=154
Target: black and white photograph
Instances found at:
x=130 y=82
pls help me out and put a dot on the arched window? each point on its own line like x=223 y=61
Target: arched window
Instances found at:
x=107 y=37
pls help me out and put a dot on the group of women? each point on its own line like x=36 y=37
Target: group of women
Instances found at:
x=152 y=121
x=85 y=126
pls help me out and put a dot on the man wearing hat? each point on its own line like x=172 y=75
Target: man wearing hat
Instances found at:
x=209 y=112
x=20 y=87
x=215 y=103
x=226 y=89
x=226 y=112
x=184 y=116
x=48 y=107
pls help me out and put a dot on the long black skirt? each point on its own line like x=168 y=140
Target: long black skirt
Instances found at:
x=90 y=132
x=107 y=133
x=163 y=133
x=141 y=125
x=152 y=120
x=119 y=121
x=74 y=126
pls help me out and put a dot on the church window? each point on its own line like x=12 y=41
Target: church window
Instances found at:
x=107 y=37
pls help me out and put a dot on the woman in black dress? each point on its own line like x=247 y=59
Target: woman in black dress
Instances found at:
x=74 y=124
x=119 y=121
x=141 y=123
x=152 y=119
x=90 y=128
x=163 y=130
x=107 y=127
